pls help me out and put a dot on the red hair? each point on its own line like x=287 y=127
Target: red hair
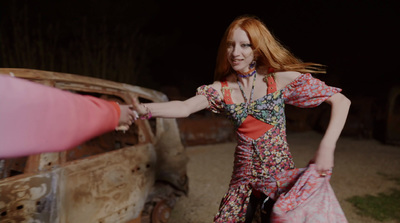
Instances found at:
x=268 y=52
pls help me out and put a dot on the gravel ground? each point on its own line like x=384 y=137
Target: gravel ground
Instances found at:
x=359 y=165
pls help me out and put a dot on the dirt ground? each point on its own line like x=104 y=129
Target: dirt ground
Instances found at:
x=359 y=169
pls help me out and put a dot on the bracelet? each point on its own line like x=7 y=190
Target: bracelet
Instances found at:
x=148 y=115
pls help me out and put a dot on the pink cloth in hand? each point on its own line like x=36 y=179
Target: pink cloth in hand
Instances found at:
x=310 y=199
x=35 y=118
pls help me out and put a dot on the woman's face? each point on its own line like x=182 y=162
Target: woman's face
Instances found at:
x=240 y=53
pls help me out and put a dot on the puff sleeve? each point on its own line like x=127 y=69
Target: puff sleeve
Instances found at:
x=213 y=97
x=307 y=91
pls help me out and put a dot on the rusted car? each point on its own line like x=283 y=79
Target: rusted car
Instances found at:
x=132 y=176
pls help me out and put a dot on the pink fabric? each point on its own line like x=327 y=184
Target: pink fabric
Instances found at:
x=35 y=118
x=311 y=199
x=307 y=91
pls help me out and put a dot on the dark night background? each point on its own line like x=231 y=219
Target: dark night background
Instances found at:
x=167 y=45
x=161 y=43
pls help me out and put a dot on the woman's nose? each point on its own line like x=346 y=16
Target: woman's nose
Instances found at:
x=236 y=50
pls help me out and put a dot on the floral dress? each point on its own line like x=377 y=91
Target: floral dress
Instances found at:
x=262 y=150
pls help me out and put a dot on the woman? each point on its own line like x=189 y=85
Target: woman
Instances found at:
x=255 y=77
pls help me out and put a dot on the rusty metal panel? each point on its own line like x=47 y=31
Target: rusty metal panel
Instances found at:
x=68 y=81
x=172 y=159
x=28 y=198
x=107 y=188
x=110 y=187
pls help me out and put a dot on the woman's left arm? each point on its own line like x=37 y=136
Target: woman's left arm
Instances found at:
x=324 y=157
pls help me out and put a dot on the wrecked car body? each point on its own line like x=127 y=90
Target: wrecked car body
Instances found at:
x=132 y=176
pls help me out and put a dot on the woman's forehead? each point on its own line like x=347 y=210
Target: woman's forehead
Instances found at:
x=238 y=34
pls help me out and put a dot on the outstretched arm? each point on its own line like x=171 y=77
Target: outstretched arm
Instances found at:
x=172 y=109
x=324 y=156
x=35 y=118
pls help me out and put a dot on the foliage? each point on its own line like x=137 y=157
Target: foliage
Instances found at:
x=104 y=41
x=384 y=206
x=381 y=207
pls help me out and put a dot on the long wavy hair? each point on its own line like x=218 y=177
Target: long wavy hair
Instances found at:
x=268 y=52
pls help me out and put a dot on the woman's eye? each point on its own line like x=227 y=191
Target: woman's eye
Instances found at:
x=246 y=45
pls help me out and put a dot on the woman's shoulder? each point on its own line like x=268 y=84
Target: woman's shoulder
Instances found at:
x=229 y=80
x=214 y=88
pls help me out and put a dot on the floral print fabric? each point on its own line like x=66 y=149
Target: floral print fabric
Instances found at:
x=309 y=199
x=258 y=162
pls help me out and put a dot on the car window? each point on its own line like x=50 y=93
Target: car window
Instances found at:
x=107 y=142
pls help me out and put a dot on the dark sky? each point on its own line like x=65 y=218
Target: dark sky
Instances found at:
x=357 y=40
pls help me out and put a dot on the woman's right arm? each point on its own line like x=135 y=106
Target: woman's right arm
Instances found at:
x=172 y=109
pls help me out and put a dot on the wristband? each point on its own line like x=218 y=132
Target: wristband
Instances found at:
x=148 y=115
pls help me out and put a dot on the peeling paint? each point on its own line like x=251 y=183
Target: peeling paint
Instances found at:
x=107 y=179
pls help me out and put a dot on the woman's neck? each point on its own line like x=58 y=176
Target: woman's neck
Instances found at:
x=246 y=74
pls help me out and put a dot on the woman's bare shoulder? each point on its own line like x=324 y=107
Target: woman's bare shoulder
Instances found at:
x=216 y=84
x=284 y=78
x=231 y=80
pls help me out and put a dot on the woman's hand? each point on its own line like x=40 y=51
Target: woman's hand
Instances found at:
x=126 y=118
x=324 y=158
x=139 y=108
